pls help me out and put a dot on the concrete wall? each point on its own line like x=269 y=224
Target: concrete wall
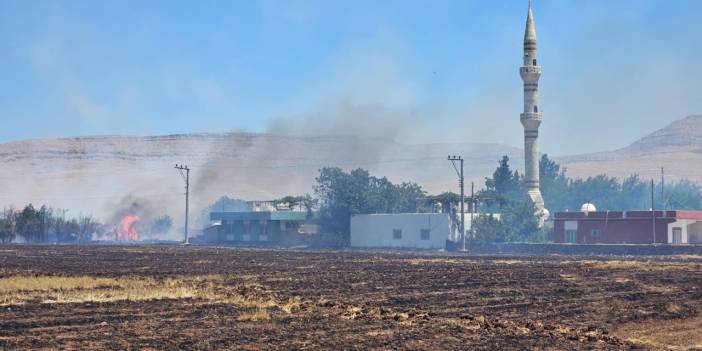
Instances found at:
x=694 y=233
x=376 y=230
x=615 y=231
x=684 y=225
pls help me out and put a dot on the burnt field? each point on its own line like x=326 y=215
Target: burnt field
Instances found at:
x=171 y=297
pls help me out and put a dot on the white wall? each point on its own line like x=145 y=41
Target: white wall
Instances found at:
x=694 y=233
x=376 y=230
x=683 y=225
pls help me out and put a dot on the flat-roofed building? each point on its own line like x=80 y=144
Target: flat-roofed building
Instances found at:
x=256 y=227
x=628 y=227
x=401 y=230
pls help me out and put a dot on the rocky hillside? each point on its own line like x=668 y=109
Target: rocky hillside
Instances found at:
x=677 y=148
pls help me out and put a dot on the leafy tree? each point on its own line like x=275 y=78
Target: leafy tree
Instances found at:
x=7 y=225
x=226 y=204
x=343 y=195
x=684 y=195
x=161 y=225
x=410 y=198
x=505 y=185
x=28 y=224
x=488 y=229
x=634 y=194
x=554 y=183
x=87 y=226
x=519 y=219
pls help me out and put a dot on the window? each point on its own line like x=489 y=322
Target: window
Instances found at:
x=595 y=233
x=424 y=234
x=536 y=109
x=571 y=236
x=397 y=234
x=534 y=62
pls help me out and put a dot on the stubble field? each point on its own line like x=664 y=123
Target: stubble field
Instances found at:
x=173 y=297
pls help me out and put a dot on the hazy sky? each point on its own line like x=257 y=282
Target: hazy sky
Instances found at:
x=416 y=71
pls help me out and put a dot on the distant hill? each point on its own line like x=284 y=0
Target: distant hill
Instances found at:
x=677 y=148
x=105 y=174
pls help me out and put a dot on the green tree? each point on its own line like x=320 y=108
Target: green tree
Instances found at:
x=521 y=223
x=342 y=195
x=410 y=198
x=634 y=194
x=161 y=225
x=488 y=229
x=554 y=184
x=8 y=221
x=28 y=224
x=684 y=195
x=505 y=185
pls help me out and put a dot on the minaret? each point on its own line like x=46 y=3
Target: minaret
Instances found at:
x=531 y=118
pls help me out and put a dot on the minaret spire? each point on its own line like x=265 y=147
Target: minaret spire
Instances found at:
x=530 y=30
x=531 y=117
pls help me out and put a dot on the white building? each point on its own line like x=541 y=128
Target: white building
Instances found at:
x=402 y=230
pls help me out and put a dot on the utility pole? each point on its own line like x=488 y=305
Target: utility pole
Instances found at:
x=665 y=203
x=186 y=179
x=653 y=211
x=472 y=208
x=453 y=160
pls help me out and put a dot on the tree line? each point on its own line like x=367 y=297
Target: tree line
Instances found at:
x=38 y=225
x=47 y=224
x=340 y=195
x=562 y=193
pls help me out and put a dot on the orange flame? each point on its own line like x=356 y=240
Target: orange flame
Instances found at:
x=126 y=229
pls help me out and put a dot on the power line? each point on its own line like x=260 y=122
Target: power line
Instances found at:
x=155 y=169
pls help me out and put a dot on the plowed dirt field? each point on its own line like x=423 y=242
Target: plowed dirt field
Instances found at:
x=174 y=297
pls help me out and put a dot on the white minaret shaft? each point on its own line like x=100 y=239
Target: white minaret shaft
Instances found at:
x=531 y=118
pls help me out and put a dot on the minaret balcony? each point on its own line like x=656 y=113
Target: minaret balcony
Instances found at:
x=530 y=118
x=530 y=72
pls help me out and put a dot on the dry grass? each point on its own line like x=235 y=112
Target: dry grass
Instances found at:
x=290 y=306
x=569 y=277
x=673 y=308
x=260 y=314
x=48 y=289
x=380 y=333
x=683 y=334
x=650 y=266
x=17 y=290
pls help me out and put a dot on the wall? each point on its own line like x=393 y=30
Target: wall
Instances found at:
x=694 y=232
x=376 y=230
x=597 y=249
x=616 y=231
